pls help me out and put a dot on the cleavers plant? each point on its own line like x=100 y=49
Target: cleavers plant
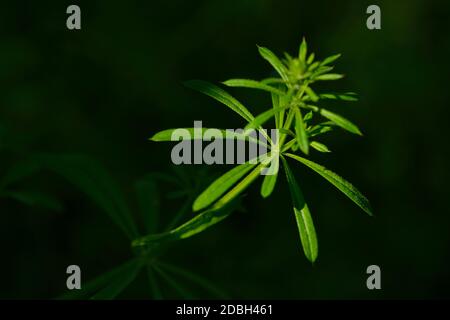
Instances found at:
x=300 y=120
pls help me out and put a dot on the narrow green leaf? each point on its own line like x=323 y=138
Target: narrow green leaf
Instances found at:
x=313 y=66
x=286 y=131
x=310 y=58
x=340 y=121
x=303 y=216
x=222 y=96
x=308 y=116
x=190 y=133
x=303 y=51
x=276 y=104
x=246 y=83
x=320 y=71
x=120 y=283
x=330 y=59
x=300 y=131
x=269 y=181
x=219 y=211
x=328 y=77
x=197 y=224
x=346 y=187
x=203 y=221
x=319 y=146
x=319 y=129
x=274 y=61
x=273 y=81
x=288 y=145
x=347 y=96
x=263 y=117
x=221 y=185
x=311 y=94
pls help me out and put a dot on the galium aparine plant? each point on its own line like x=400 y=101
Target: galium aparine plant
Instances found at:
x=300 y=118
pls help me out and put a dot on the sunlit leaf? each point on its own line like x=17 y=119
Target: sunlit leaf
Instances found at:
x=330 y=59
x=321 y=70
x=319 y=129
x=219 y=211
x=221 y=185
x=346 y=187
x=276 y=104
x=246 y=83
x=264 y=117
x=303 y=217
x=319 y=146
x=303 y=51
x=329 y=76
x=340 y=121
x=274 y=61
x=270 y=180
x=192 y=134
x=310 y=58
x=311 y=94
x=300 y=132
x=273 y=81
x=347 y=96
x=308 y=116
x=222 y=96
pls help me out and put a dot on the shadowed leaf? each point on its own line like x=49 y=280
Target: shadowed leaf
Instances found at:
x=91 y=287
x=319 y=146
x=119 y=283
x=303 y=217
x=149 y=202
x=183 y=292
x=202 y=282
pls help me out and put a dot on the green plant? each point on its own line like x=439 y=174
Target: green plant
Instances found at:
x=296 y=107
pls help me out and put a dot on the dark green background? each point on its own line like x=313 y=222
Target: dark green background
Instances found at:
x=104 y=90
